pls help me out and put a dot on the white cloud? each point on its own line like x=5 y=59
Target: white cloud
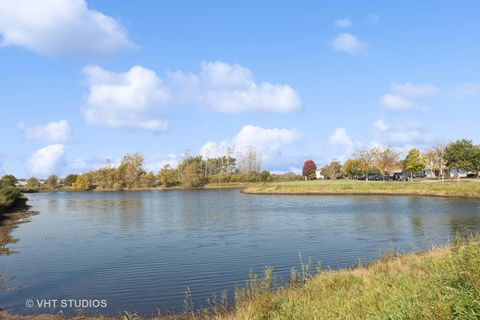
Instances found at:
x=464 y=90
x=230 y=88
x=134 y=99
x=60 y=27
x=45 y=161
x=343 y=23
x=414 y=90
x=268 y=142
x=157 y=161
x=348 y=43
x=53 y=132
x=127 y=100
x=341 y=137
x=265 y=140
x=380 y=125
x=407 y=133
x=395 y=102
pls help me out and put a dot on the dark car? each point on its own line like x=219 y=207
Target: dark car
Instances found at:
x=374 y=177
x=400 y=176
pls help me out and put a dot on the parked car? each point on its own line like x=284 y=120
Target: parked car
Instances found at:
x=400 y=176
x=419 y=175
x=374 y=177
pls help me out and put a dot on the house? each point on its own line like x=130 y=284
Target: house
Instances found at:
x=21 y=183
x=318 y=174
x=461 y=173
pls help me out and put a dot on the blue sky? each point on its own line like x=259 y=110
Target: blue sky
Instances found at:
x=83 y=81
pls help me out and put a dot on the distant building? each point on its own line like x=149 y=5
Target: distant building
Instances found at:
x=462 y=173
x=318 y=174
x=429 y=172
x=21 y=183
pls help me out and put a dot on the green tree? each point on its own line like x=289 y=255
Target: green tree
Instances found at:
x=70 y=179
x=8 y=195
x=8 y=180
x=84 y=182
x=332 y=170
x=192 y=175
x=52 y=181
x=462 y=154
x=131 y=170
x=168 y=176
x=149 y=180
x=385 y=160
x=366 y=159
x=351 y=168
x=33 y=183
x=265 y=176
x=415 y=161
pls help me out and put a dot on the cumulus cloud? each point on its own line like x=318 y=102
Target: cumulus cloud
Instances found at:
x=135 y=98
x=268 y=142
x=53 y=132
x=395 y=102
x=380 y=125
x=156 y=162
x=230 y=88
x=406 y=133
x=60 y=27
x=348 y=43
x=45 y=161
x=128 y=100
x=342 y=138
x=414 y=90
x=343 y=23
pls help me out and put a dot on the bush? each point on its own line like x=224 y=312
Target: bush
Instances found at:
x=8 y=195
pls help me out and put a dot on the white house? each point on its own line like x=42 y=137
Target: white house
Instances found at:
x=462 y=173
x=318 y=174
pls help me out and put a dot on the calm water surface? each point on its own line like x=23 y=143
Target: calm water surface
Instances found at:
x=141 y=250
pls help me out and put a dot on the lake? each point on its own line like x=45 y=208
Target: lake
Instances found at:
x=141 y=250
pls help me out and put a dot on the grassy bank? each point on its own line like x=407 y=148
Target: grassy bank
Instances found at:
x=440 y=284
x=469 y=189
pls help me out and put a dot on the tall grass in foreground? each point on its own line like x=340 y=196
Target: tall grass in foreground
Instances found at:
x=440 y=284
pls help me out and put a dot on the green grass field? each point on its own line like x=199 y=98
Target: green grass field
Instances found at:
x=469 y=189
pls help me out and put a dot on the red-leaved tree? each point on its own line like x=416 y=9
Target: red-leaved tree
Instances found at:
x=309 y=168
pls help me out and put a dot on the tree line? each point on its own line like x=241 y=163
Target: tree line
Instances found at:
x=442 y=160
x=191 y=172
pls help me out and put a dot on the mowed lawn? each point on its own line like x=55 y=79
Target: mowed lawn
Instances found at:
x=448 y=188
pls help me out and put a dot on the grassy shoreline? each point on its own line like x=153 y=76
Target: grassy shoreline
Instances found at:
x=463 y=189
x=443 y=283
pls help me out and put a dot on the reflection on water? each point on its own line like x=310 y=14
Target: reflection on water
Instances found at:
x=140 y=250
